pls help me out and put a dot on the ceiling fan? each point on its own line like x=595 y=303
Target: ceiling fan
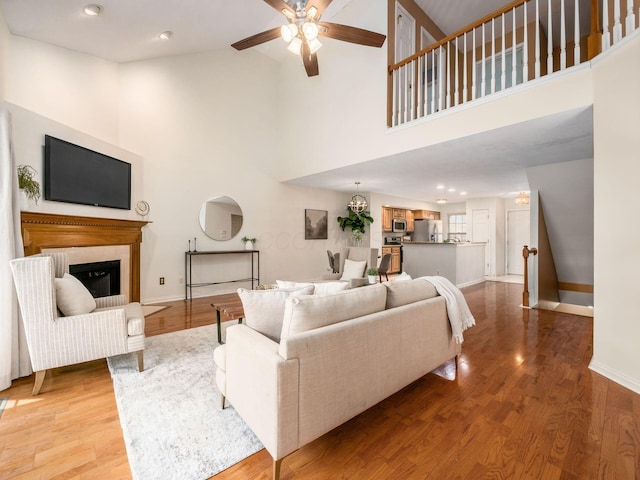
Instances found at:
x=303 y=28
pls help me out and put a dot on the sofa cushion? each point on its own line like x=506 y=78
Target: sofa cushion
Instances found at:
x=72 y=297
x=289 y=284
x=353 y=269
x=310 y=312
x=264 y=309
x=408 y=291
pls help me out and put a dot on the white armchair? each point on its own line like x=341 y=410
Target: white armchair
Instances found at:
x=54 y=340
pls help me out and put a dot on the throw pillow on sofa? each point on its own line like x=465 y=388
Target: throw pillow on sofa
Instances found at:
x=307 y=313
x=353 y=269
x=319 y=287
x=408 y=291
x=264 y=309
x=72 y=297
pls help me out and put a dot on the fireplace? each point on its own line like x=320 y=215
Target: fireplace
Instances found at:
x=102 y=279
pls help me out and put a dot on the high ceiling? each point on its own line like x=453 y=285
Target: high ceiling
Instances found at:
x=482 y=165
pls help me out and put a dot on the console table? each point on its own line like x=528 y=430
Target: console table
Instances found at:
x=188 y=258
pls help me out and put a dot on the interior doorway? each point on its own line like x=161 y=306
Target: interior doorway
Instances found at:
x=518 y=228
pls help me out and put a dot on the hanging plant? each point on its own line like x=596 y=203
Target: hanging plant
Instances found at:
x=356 y=222
x=27 y=183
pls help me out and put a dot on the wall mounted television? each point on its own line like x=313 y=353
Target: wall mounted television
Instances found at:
x=74 y=174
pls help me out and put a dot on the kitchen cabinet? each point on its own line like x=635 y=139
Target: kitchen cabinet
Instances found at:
x=399 y=213
x=423 y=214
x=387 y=219
x=410 y=222
x=395 y=258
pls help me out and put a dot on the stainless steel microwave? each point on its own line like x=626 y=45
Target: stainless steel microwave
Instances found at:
x=399 y=225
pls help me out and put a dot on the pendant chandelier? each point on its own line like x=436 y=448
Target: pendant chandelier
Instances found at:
x=358 y=203
x=522 y=199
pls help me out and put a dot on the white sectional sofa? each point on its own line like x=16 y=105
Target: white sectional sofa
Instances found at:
x=338 y=355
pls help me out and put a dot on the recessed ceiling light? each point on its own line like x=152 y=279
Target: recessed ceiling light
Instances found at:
x=463 y=193
x=166 y=35
x=441 y=200
x=451 y=190
x=440 y=187
x=93 y=9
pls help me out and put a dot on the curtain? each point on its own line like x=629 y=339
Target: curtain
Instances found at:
x=14 y=356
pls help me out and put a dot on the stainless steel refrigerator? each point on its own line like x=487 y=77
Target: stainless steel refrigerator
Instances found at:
x=426 y=230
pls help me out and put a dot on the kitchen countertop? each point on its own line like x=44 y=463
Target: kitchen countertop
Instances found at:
x=457 y=244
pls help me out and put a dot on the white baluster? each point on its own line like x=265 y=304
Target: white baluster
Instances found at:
x=514 y=65
x=448 y=74
x=549 y=40
x=493 y=56
x=617 y=26
x=394 y=109
x=631 y=19
x=456 y=89
x=421 y=75
x=412 y=90
x=503 y=76
x=525 y=48
x=405 y=75
x=474 y=76
x=441 y=79
x=606 y=38
x=576 y=34
x=537 y=52
x=465 y=95
x=563 y=38
x=483 y=81
x=435 y=77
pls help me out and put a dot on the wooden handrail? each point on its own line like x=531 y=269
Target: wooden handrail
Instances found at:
x=525 y=254
x=453 y=36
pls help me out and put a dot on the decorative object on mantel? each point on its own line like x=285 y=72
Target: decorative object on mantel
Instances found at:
x=356 y=222
x=143 y=208
x=248 y=242
x=315 y=224
x=358 y=202
x=27 y=183
x=195 y=244
x=522 y=199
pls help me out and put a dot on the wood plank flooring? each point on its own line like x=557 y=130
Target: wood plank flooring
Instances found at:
x=524 y=406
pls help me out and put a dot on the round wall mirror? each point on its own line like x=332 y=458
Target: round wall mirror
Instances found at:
x=220 y=218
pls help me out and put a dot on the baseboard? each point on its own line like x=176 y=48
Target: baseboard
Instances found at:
x=615 y=376
x=468 y=284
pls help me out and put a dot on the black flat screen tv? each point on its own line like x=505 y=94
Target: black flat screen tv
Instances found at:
x=74 y=174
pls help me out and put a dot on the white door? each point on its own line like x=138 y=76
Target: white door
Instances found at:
x=518 y=227
x=405 y=47
x=480 y=233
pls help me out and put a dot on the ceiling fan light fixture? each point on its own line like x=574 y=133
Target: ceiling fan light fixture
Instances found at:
x=314 y=45
x=288 y=32
x=310 y=30
x=295 y=45
x=312 y=12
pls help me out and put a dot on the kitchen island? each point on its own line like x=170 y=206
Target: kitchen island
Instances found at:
x=461 y=263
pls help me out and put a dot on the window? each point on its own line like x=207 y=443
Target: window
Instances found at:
x=458 y=227
x=508 y=60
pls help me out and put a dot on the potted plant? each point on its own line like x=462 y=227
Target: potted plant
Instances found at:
x=372 y=273
x=248 y=242
x=27 y=182
x=356 y=222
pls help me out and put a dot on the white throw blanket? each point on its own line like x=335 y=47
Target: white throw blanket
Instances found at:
x=457 y=309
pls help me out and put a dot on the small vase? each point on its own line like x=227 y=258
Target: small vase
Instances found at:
x=372 y=279
x=248 y=245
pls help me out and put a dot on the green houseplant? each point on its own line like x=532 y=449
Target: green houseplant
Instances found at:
x=248 y=242
x=372 y=273
x=27 y=182
x=356 y=222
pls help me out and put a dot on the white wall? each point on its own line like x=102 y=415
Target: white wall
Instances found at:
x=617 y=229
x=4 y=54
x=72 y=88
x=206 y=125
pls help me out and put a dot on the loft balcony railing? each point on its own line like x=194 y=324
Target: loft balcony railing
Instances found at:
x=523 y=41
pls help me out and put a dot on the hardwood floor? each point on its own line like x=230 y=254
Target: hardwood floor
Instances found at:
x=524 y=406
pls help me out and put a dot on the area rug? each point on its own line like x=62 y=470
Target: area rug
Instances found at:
x=170 y=414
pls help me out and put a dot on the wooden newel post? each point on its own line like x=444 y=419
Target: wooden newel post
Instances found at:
x=525 y=254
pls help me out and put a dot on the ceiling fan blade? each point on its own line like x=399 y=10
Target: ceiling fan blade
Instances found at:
x=351 y=34
x=310 y=61
x=319 y=4
x=280 y=5
x=257 y=39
